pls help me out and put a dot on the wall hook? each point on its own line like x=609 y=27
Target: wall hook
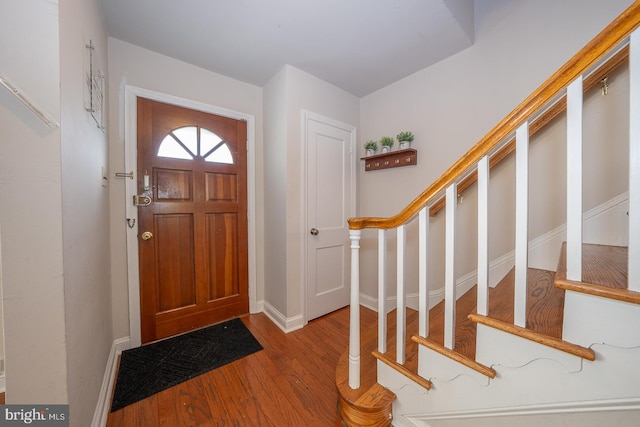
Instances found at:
x=124 y=175
x=604 y=89
x=131 y=222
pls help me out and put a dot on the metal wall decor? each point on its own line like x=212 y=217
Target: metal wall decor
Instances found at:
x=94 y=80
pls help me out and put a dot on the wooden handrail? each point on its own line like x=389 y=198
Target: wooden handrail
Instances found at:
x=594 y=51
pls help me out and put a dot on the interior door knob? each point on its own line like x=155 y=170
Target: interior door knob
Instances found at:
x=314 y=232
x=147 y=235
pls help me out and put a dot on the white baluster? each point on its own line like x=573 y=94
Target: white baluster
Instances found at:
x=449 y=268
x=402 y=304
x=483 y=236
x=382 y=292
x=574 y=180
x=354 y=312
x=522 y=225
x=423 y=272
x=634 y=163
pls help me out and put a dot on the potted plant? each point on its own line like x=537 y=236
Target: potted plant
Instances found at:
x=387 y=143
x=371 y=146
x=405 y=139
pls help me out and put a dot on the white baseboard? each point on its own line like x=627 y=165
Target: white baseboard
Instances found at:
x=497 y=270
x=286 y=324
x=412 y=300
x=259 y=307
x=104 y=398
x=543 y=252
x=605 y=225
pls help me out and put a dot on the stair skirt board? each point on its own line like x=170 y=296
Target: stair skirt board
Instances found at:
x=585 y=414
x=438 y=367
x=541 y=382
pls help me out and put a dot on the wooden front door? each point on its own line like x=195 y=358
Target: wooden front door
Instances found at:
x=193 y=235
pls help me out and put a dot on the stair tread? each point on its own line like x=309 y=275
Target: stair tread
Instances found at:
x=545 y=305
x=604 y=273
x=411 y=349
x=465 y=336
x=602 y=265
x=376 y=395
x=545 y=302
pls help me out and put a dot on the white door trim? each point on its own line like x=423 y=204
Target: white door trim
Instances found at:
x=305 y=117
x=130 y=144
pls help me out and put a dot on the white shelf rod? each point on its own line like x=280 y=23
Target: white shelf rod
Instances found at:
x=27 y=102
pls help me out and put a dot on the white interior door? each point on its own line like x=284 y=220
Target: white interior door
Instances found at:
x=330 y=148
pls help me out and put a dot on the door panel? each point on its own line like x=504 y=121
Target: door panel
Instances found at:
x=194 y=267
x=222 y=242
x=330 y=201
x=333 y=280
x=172 y=185
x=221 y=187
x=175 y=261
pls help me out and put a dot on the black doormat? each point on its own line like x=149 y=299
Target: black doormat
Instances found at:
x=147 y=370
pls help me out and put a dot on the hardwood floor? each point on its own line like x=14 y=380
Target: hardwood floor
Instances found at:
x=289 y=383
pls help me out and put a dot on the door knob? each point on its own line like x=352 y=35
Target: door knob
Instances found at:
x=147 y=235
x=314 y=232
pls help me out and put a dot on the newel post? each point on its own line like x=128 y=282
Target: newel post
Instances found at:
x=354 y=324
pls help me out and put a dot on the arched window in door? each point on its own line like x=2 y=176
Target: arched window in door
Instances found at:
x=189 y=142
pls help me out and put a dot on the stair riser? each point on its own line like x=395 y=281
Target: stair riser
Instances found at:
x=496 y=347
x=590 y=319
x=432 y=364
x=537 y=385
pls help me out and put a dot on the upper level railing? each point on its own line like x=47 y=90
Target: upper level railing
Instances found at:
x=569 y=81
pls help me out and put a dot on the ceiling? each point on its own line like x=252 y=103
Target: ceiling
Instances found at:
x=357 y=45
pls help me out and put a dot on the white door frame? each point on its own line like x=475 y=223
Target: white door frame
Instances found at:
x=130 y=145
x=306 y=116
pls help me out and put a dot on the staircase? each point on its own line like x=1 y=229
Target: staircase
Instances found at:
x=539 y=347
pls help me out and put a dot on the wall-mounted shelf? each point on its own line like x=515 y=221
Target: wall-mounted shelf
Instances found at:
x=393 y=159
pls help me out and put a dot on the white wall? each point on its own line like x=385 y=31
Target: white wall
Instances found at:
x=294 y=90
x=31 y=207
x=132 y=65
x=85 y=210
x=452 y=104
x=275 y=185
